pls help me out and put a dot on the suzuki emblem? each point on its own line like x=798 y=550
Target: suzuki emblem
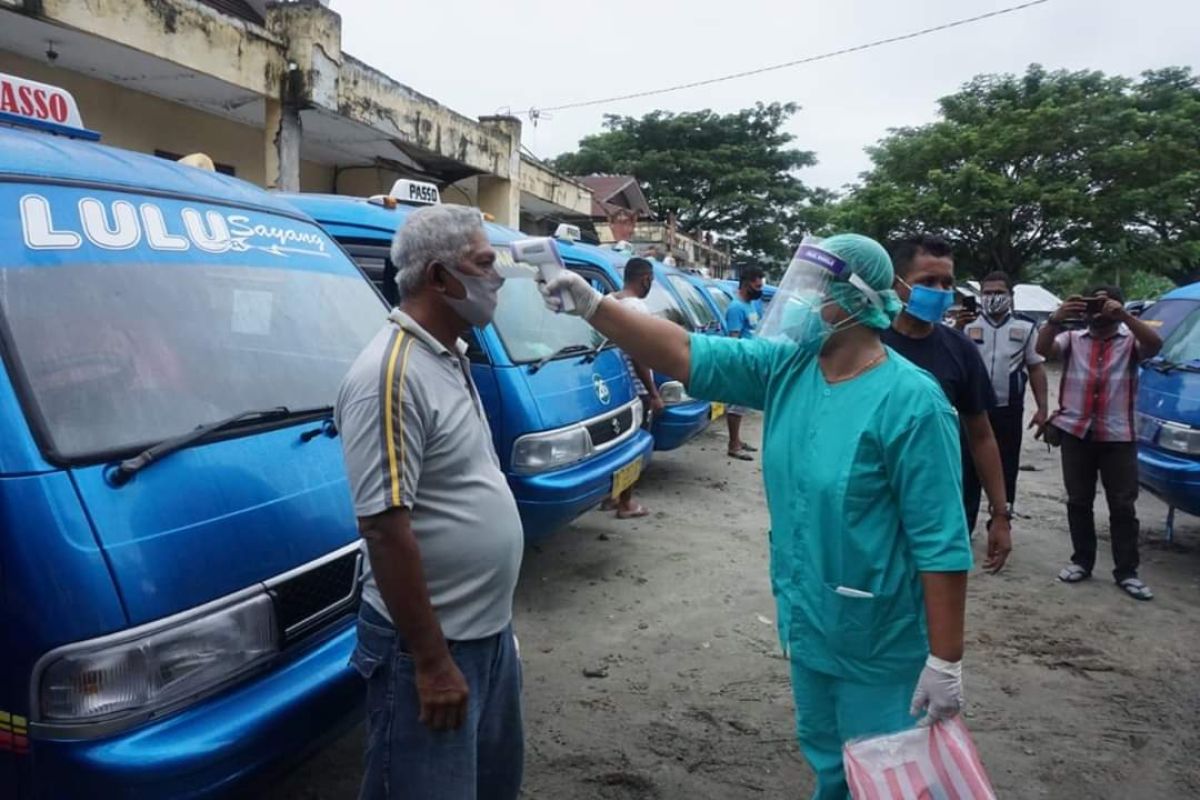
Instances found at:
x=616 y=423
x=602 y=393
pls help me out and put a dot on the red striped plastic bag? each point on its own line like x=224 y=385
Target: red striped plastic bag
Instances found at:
x=934 y=763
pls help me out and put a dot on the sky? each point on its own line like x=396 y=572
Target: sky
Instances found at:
x=506 y=56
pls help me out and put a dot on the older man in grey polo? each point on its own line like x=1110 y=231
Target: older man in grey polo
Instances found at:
x=441 y=530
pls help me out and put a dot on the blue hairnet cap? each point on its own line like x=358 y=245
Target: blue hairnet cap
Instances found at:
x=870 y=261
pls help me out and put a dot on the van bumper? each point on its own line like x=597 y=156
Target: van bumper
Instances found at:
x=680 y=423
x=549 y=500
x=1174 y=479
x=221 y=744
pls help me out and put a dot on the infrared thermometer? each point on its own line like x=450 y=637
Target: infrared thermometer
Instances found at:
x=542 y=253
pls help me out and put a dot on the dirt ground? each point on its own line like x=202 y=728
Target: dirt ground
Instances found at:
x=653 y=671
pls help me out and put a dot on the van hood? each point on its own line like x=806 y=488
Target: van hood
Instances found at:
x=566 y=391
x=213 y=519
x=1173 y=395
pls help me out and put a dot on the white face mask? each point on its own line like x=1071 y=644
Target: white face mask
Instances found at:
x=483 y=293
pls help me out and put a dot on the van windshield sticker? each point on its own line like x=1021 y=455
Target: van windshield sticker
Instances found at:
x=107 y=221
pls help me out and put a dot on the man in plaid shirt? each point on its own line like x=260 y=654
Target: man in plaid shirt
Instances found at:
x=1095 y=425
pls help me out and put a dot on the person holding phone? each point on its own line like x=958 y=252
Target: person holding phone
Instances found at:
x=1095 y=425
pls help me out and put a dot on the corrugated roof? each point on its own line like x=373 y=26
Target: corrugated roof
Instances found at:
x=607 y=187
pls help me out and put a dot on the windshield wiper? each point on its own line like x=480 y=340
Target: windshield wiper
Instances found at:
x=591 y=354
x=121 y=474
x=1165 y=365
x=562 y=351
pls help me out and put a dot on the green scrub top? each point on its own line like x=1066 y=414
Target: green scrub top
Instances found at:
x=864 y=489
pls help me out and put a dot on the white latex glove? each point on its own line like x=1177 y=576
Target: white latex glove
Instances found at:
x=939 y=691
x=585 y=298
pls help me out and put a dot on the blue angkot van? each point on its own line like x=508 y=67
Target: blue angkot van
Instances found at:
x=1168 y=405
x=684 y=417
x=565 y=419
x=178 y=551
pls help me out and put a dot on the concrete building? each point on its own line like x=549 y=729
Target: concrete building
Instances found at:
x=266 y=90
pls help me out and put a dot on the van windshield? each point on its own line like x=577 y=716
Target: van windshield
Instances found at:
x=529 y=330
x=1183 y=346
x=700 y=311
x=661 y=303
x=118 y=350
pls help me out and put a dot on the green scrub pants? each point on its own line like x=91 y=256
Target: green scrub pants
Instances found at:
x=830 y=711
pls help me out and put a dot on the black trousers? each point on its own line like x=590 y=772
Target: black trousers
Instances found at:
x=1008 y=425
x=1116 y=465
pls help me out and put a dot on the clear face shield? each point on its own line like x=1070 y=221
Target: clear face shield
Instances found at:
x=797 y=312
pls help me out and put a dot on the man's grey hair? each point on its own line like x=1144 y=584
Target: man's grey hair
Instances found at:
x=435 y=233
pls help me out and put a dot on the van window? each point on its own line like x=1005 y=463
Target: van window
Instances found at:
x=663 y=304
x=700 y=311
x=1183 y=345
x=529 y=331
x=116 y=350
x=719 y=297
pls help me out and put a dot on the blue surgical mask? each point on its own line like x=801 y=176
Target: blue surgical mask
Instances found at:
x=929 y=304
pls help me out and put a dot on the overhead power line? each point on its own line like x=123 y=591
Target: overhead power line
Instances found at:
x=536 y=113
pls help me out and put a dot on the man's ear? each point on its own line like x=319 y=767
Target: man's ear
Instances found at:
x=435 y=275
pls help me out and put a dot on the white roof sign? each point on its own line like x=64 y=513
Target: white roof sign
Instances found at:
x=40 y=105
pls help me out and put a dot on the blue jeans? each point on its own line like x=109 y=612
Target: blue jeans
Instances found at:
x=482 y=760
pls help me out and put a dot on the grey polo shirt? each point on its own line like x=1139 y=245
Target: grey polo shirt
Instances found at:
x=415 y=436
x=1008 y=349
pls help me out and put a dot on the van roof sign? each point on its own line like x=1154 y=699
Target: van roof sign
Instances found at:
x=416 y=192
x=41 y=106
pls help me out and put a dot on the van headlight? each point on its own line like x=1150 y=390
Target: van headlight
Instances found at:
x=1179 y=438
x=673 y=393
x=538 y=452
x=137 y=674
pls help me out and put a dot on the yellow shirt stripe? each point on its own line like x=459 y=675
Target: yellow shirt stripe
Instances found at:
x=389 y=422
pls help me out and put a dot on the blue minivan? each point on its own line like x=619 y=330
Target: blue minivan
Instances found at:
x=684 y=417
x=564 y=415
x=178 y=553
x=1168 y=404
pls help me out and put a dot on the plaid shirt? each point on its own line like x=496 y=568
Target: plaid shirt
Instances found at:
x=1099 y=385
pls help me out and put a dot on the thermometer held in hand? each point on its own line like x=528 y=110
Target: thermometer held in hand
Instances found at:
x=542 y=253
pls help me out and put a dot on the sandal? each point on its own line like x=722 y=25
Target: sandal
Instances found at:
x=1136 y=589
x=1073 y=573
x=638 y=510
x=748 y=449
x=740 y=456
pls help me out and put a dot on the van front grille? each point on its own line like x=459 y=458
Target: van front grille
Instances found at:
x=606 y=429
x=307 y=599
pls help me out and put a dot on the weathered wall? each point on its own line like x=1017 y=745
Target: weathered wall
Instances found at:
x=145 y=123
x=546 y=184
x=184 y=32
x=371 y=97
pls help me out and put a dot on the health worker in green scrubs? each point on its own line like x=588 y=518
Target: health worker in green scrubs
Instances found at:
x=861 y=461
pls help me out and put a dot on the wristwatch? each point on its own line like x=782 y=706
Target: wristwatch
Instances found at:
x=1005 y=514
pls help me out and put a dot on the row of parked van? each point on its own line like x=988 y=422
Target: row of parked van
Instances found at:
x=178 y=553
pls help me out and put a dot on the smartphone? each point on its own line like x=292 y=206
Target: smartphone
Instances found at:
x=1095 y=305
x=971 y=304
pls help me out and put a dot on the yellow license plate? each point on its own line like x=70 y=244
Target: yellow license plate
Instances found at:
x=625 y=477
x=716 y=411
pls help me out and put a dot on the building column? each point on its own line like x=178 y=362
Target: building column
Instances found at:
x=501 y=196
x=282 y=141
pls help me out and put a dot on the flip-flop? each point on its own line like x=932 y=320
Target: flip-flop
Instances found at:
x=1136 y=589
x=739 y=456
x=1073 y=573
x=637 y=511
x=748 y=449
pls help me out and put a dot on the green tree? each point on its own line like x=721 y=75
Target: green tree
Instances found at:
x=1047 y=166
x=732 y=174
